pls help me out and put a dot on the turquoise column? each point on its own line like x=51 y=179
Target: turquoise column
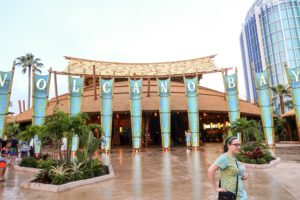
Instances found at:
x=164 y=111
x=75 y=91
x=41 y=84
x=107 y=110
x=265 y=105
x=191 y=89
x=6 y=79
x=136 y=112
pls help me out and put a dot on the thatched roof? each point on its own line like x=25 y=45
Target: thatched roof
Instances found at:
x=210 y=101
x=118 y=69
x=289 y=113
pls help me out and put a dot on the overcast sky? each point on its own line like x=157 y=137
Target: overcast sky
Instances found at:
x=120 y=30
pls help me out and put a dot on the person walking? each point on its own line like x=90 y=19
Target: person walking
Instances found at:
x=2 y=168
x=25 y=149
x=102 y=142
x=232 y=173
x=188 y=138
x=14 y=149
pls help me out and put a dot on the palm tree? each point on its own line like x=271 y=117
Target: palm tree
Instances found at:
x=281 y=91
x=12 y=129
x=29 y=133
x=61 y=125
x=247 y=128
x=55 y=127
x=289 y=104
x=29 y=62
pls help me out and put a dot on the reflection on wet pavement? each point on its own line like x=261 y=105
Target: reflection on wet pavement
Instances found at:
x=153 y=174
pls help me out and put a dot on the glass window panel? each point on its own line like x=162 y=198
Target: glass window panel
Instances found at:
x=297 y=13
x=298 y=62
x=281 y=46
x=289 y=44
x=266 y=29
x=270 y=49
x=295 y=3
x=271 y=60
x=278 y=25
x=297 y=21
x=289 y=5
x=282 y=56
x=285 y=23
x=270 y=17
x=280 y=78
x=294 y=33
x=273 y=37
x=296 y=43
x=282 y=6
x=272 y=28
x=279 y=35
x=277 y=59
x=265 y=20
x=274 y=79
x=297 y=53
x=275 y=48
x=290 y=12
x=292 y=23
x=268 y=40
x=287 y=33
x=291 y=55
x=283 y=13
x=292 y=64
x=276 y=15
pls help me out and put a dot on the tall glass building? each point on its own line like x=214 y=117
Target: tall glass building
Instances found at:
x=270 y=35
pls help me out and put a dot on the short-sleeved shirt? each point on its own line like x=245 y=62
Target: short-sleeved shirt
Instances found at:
x=14 y=143
x=229 y=170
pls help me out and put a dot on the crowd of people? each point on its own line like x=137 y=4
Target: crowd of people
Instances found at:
x=10 y=150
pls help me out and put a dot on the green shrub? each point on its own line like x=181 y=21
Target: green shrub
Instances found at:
x=59 y=174
x=261 y=161
x=43 y=177
x=54 y=172
x=29 y=162
x=76 y=170
x=268 y=157
x=46 y=164
x=88 y=173
x=43 y=156
x=255 y=153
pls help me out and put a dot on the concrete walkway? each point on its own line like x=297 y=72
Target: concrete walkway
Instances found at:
x=178 y=174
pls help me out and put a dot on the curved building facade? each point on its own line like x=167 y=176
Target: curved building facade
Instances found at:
x=270 y=35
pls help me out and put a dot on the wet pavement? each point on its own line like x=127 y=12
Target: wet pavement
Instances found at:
x=179 y=174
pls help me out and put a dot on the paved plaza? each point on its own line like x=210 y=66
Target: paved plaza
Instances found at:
x=179 y=174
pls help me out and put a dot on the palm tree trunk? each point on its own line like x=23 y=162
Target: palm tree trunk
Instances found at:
x=288 y=129
x=29 y=87
x=59 y=151
x=281 y=104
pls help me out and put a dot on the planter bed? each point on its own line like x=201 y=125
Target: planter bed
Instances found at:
x=273 y=163
x=29 y=184
x=26 y=169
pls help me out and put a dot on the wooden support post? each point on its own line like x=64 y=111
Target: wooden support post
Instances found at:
x=24 y=106
x=148 y=88
x=147 y=129
x=55 y=87
x=94 y=82
x=224 y=81
x=20 y=107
